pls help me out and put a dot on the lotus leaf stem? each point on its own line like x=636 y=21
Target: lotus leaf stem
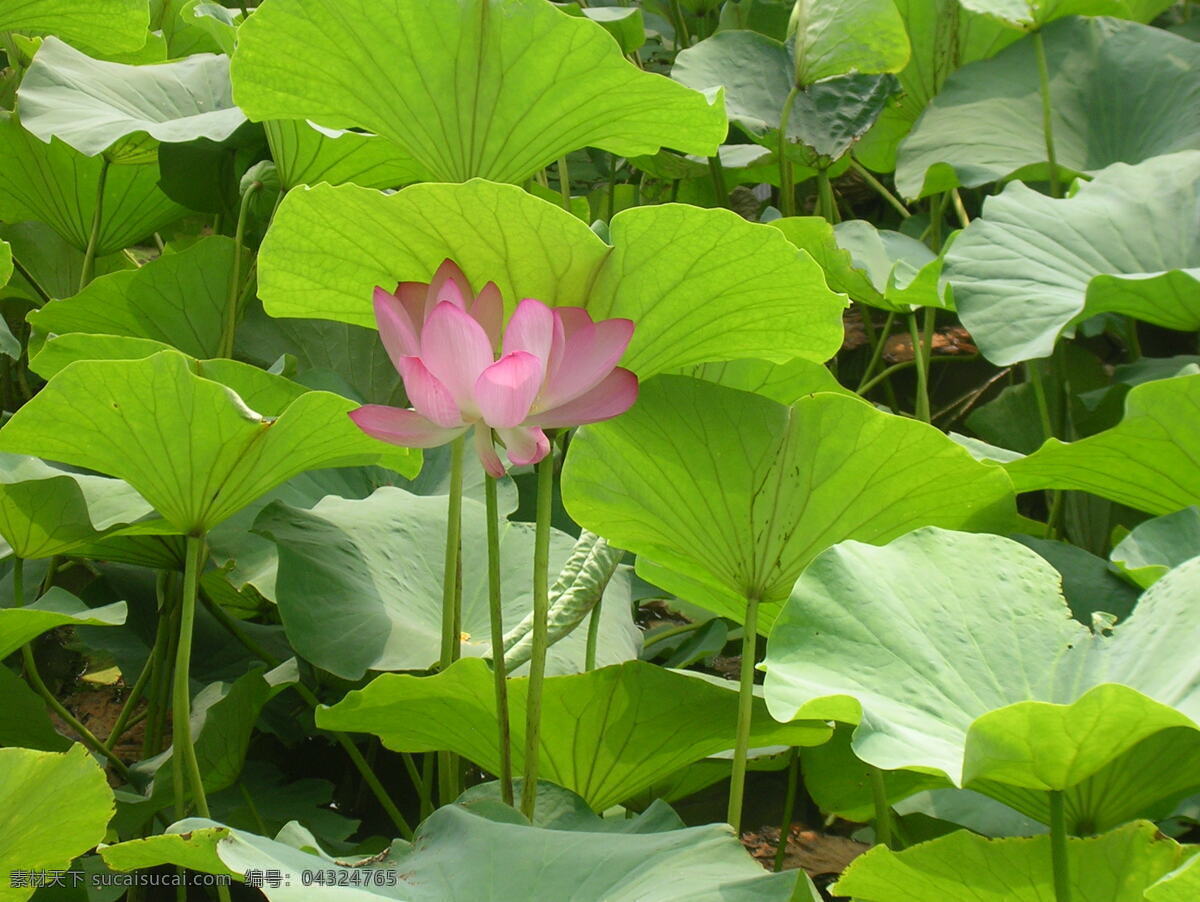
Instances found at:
x=883 y=811
x=496 y=610
x=1058 y=848
x=745 y=710
x=789 y=809
x=1039 y=51
x=880 y=188
x=787 y=188
x=89 y=254
x=232 y=305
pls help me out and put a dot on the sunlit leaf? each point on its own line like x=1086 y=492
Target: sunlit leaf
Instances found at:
x=109 y=25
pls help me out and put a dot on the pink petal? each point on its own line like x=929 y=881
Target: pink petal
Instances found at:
x=524 y=445
x=449 y=284
x=397 y=330
x=428 y=395
x=506 y=389
x=613 y=396
x=591 y=353
x=530 y=329
x=456 y=350
x=485 y=448
x=401 y=427
x=488 y=311
x=572 y=318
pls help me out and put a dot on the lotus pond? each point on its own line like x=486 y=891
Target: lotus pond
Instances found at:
x=607 y=451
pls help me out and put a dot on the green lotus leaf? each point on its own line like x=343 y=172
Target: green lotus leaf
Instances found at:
x=986 y=124
x=45 y=510
x=52 y=262
x=1116 y=867
x=844 y=36
x=1032 y=14
x=273 y=801
x=307 y=154
x=1180 y=885
x=981 y=676
x=882 y=268
x=494 y=89
x=349 y=609
x=38 y=832
x=6 y=264
x=24 y=718
x=91 y=104
x=57 y=185
x=725 y=495
x=1032 y=267
x=480 y=851
x=57 y=607
x=606 y=734
x=109 y=25
x=178 y=299
x=207 y=454
x=1158 y=545
x=701 y=285
x=785 y=383
x=756 y=73
x=943 y=36
x=1146 y=461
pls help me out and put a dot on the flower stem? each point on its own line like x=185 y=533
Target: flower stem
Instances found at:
x=135 y=693
x=593 y=637
x=89 y=255
x=541 y=608
x=827 y=206
x=737 y=781
x=922 y=364
x=448 y=765
x=496 y=609
x=181 y=728
x=789 y=809
x=1039 y=51
x=787 y=189
x=883 y=811
x=717 y=171
x=1058 y=848
x=877 y=349
x=35 y=679
x=235 y=275
x=1054 y=498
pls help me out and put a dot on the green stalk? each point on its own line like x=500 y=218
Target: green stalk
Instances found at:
x=959 y=209
x=131 y=701
x=826 y=204
x=922 y=366
x=496 y=610
x=564 y=183
x=593 y=637
x=883 y=811
x=35 y=679
x=1058 y=848
x=181 y=696
x=877 y=349
x=160 y=691
x=1054 y=499
x=787 y=189
x=717 y=171
x=235 y=276
x=449 y=785
x=789 y=809
x=418 y=781
x=89 y=255
x=737 y=781
x=347 y=744
x=1039 y=51
x=541 y=608
x=33 y=282
x=867 y=176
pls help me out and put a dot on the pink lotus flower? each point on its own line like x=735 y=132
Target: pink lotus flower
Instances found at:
x=558 y=369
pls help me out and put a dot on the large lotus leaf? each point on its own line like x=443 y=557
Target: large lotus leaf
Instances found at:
x=50 y=260
x=24 y=719
x=756 y=73
x=57 y=607
x=52 y=808
x=481 y=852
x=843 y=36
x=209 y=452
x=349 y=609
x=306 y=154
x=943 y=36
x=977 y=672
x=489 y=88
x=881 y=268
x=1147 y=461
x=6 y=264
x=109 y=25
x=606 y=734
x=1180 y=885
x=90 y=104
x=1032 y=14
x=1155 y=546
x=786 y=383
x=1031 y=266
x=986 y=124
x=1115 y=867
x=701 y=285
x=45 y=510
x=54 y=184
x=178 y=299
x=726 y=495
